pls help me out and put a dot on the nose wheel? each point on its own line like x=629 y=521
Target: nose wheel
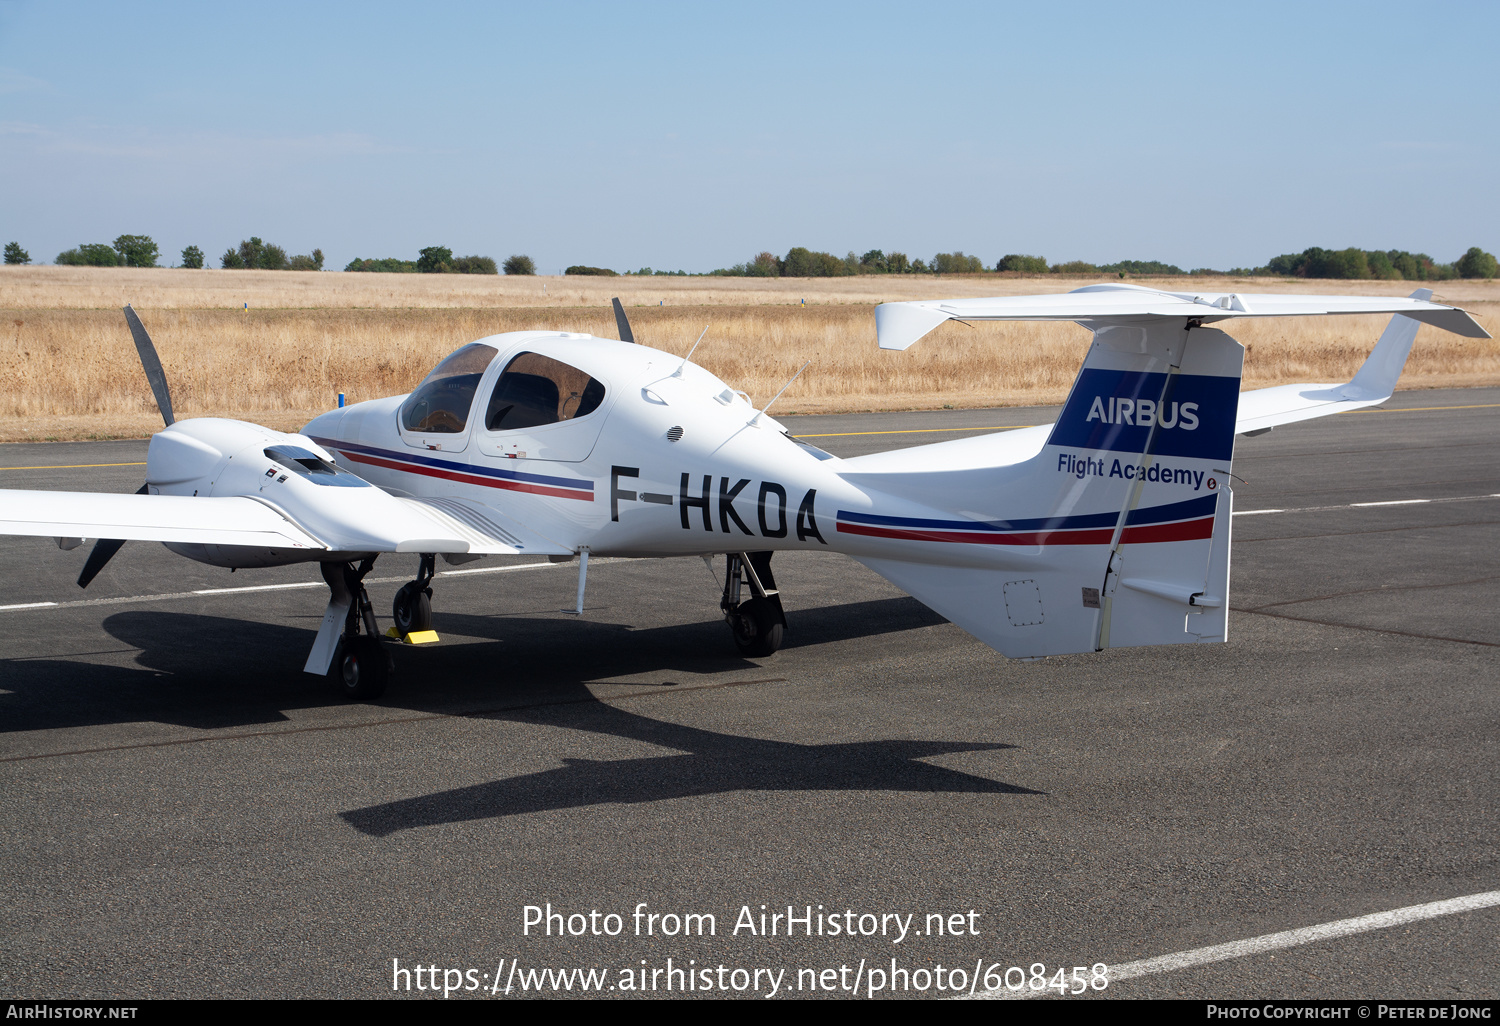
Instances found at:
x=412 y=607
x=757 y=622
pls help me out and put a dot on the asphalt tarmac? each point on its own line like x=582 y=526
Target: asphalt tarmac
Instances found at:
x=186 y=814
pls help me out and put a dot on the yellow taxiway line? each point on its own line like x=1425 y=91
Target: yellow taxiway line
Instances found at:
x=76 y=466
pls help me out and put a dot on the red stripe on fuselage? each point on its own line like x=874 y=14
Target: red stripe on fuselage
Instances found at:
x=1187 y=530
x=462 y=478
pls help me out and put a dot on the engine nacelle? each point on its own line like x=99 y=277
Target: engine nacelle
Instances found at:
x=291 y=473
x=197 y=457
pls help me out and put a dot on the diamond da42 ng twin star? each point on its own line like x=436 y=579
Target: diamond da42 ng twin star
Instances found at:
x=1109 y=528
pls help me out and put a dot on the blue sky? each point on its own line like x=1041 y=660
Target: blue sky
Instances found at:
x=695 y=135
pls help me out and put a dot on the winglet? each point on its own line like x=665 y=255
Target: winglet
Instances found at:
x=1378 y=375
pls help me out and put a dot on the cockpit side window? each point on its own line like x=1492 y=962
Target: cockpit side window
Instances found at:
x=440 y=404
x=536 y=390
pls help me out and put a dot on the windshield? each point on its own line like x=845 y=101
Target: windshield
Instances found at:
x=536 y=390
x=440 y=404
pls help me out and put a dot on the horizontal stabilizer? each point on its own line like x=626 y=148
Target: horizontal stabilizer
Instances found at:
x=899 y=325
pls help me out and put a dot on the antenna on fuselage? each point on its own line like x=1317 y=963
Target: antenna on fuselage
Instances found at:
x=777 y=396
x=678 y=372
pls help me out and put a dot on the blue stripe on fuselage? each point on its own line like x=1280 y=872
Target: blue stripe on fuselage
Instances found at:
x=1200 y=507
x=463 y=468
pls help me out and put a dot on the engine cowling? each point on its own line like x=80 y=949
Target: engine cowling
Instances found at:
x=215 y=456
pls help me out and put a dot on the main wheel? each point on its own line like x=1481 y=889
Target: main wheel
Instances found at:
x=756 y=627
x=412 y=609
x=363 y=668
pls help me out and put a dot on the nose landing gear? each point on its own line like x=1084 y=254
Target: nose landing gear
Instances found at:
x=757 y=622
x=412 y=608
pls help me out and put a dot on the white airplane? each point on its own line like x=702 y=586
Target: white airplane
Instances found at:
x=1107 y=529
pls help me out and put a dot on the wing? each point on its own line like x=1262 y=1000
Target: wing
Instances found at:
x=385 y=526
x=1264 y=408
x=207 y=520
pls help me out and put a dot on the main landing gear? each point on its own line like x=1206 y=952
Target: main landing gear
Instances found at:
x=361 y=667
x=758 y=621
x=412 y=608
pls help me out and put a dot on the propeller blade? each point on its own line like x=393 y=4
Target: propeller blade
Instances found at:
x=154 y=374
x=105 y=548
x=622 y=322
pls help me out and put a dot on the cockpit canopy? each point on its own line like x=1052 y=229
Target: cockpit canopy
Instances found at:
x=533 y=390
x=441 y=403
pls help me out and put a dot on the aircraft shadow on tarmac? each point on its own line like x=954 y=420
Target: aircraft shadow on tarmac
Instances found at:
x=210 y=672
x=712 y=763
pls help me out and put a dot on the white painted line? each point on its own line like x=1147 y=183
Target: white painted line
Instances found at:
x=213 y=592
x=496 y=569
x=1356 y=505
x=1278 y=941
x=533 y=566
x=259 y=587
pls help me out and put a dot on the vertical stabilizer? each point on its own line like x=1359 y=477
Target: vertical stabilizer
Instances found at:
x=1117 y=533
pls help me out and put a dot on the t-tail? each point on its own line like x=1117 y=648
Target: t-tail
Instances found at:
x=1117 y=532
x=1113 y=530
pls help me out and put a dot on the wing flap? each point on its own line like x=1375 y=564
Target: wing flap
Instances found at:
x=487 y=531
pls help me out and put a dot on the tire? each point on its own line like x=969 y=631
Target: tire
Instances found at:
x=756 y=628
x=363 y=669
x=412 y=609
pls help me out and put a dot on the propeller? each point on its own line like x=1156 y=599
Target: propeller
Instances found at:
x=105 y=548
x=621 y=321
x=151 y=365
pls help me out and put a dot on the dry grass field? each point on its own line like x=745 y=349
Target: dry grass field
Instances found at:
x=71 y=371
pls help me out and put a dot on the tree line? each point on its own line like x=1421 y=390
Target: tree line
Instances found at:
x=142 y=251
x=256 y=254
x=440 y=260
x=801 y=262
x=1392 y=265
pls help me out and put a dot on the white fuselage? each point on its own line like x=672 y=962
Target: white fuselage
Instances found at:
x=667 y=465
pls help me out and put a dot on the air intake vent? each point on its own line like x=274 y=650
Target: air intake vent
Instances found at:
x=674 y=433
